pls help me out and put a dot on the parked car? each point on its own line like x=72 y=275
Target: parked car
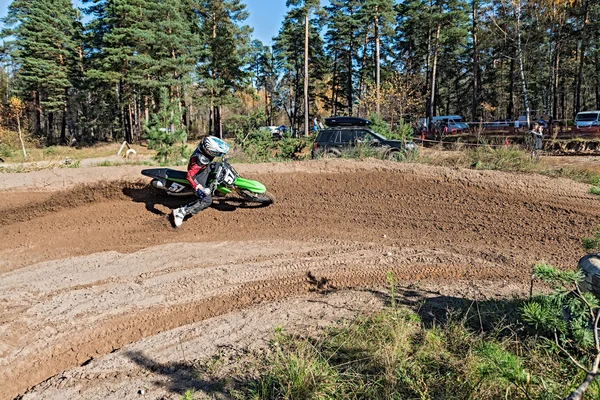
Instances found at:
x=587 y=122
x=454 y=123
x=521 y=121
x=344 y=133
x=275 y=131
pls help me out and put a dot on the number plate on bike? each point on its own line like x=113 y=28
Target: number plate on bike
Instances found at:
x=229 y=178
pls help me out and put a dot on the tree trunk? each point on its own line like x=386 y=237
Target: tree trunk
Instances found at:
x=510 y=109
x=130 y=131
x=555 y=81
x=586 y=17
x=579 y=392
x=306 y=73
x=597 y=81
x=431 y=112
x=63 y=123
x=427 y=70
x=377 y=64
x=521 y=68
x=20 y=133
x=475 y=104
x=334 y=84
x=50 y=127
x=362 y=67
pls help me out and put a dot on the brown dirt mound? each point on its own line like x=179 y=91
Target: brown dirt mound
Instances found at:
x=94 y=268
x=76 y=197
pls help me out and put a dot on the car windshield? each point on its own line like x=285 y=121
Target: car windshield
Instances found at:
x=457 y=120
x=586 y=117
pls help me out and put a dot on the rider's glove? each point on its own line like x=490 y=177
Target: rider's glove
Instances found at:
x=202 y=193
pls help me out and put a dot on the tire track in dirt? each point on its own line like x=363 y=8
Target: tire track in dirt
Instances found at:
x=115 y=332
x=336 y=225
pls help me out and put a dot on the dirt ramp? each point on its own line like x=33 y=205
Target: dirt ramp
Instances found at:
x=98 y=192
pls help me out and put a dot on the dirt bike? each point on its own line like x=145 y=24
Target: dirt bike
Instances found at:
x=222 y=180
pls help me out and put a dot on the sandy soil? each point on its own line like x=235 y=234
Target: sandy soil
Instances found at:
x=96 y=274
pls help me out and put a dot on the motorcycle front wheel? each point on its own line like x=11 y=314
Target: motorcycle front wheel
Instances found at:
x=263 y=198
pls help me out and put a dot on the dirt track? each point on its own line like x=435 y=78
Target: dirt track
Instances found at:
x=87 y=270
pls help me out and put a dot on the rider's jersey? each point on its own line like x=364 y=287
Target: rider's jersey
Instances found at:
x=198 y=163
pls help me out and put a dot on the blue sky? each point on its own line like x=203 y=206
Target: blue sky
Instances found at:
x=265 y=17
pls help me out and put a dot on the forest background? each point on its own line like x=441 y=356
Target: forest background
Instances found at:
x=117 y=69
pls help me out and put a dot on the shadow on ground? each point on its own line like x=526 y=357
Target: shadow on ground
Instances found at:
x=152 y=197
x=182 y=376
x=433 y=309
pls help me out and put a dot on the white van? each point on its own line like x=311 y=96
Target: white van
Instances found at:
x=455 y=123
x=587 y=119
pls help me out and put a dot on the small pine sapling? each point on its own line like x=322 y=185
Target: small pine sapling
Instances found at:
x=570 y=318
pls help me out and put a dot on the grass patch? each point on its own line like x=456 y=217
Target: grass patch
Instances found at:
x=501 y=159
x=395 y=355
x=595 y=190
x=10 y=150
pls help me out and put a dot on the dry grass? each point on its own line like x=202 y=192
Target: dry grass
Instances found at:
x=10 y=150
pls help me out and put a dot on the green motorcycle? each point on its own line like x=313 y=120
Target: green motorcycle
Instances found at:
x=222 y=181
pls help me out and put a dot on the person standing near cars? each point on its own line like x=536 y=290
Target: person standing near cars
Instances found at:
x=537 y=136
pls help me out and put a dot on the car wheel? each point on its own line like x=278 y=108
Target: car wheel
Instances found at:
x=332 y=154
x=394 y=156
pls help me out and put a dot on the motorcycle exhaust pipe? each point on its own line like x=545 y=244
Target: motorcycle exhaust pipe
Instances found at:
x=158 y=184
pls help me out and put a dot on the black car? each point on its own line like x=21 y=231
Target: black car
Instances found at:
x=347 y=132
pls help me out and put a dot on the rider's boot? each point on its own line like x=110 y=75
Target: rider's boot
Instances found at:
x=178 y=215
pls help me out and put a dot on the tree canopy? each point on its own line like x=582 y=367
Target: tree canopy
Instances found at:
x=482 y=59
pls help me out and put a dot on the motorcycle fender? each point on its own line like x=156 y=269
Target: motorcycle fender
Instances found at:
x=223 y=190
x=249 y=184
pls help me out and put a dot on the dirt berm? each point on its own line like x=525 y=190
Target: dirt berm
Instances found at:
x=86 y=270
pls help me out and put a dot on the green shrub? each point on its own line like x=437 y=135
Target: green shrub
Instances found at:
x=591 y=244
x=50 y=151
x=595 y=190
x=165 y=133
x=5 y=150
x=378 y=125
x=568 y=319
x=242 y=126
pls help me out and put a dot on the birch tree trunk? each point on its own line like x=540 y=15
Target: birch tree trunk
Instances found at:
x=21 y=134
x=521 y=68
x=475 y=5
x=584 y=42
x=377 y=64
x=434 y=73
x=306 y=74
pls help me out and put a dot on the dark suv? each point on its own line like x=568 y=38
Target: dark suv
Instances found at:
x=344 y=133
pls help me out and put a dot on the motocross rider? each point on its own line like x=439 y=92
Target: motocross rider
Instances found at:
x=199 y=168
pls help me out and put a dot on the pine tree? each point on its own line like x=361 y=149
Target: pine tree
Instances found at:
x=221 y=70
x=342 y=31
x=289 y=48
x=262 y=68
x=165 y=132
x=43 y=47
x=306 y=7
x=379 y=13
x=124 y=34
